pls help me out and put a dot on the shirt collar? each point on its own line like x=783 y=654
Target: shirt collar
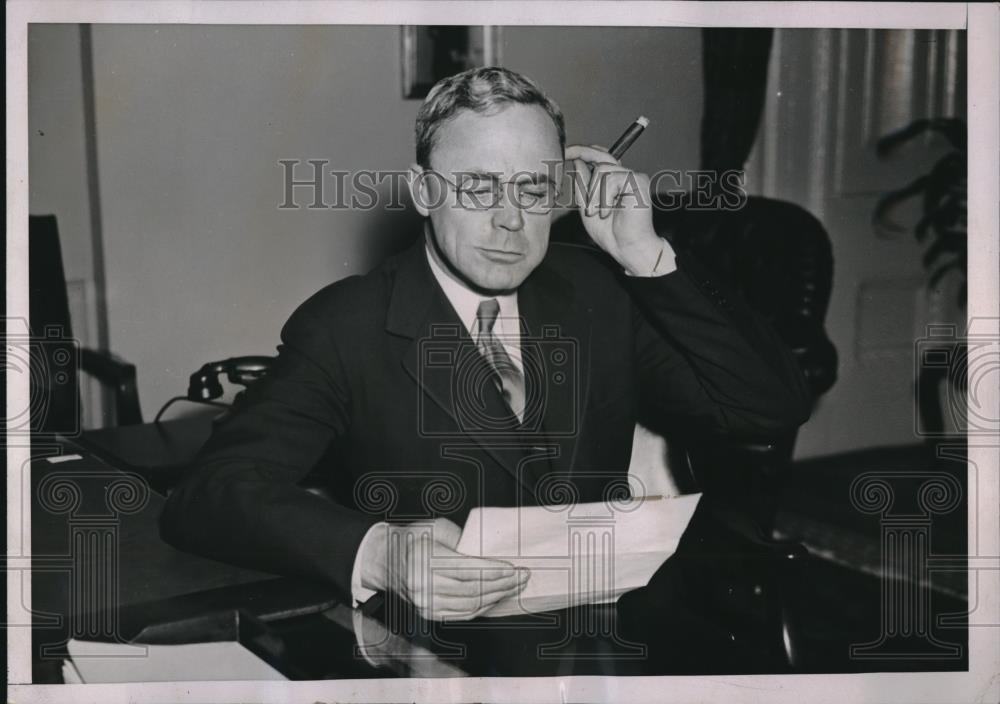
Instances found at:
x=466 y=302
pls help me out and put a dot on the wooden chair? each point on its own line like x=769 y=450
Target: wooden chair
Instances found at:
x=56 y=357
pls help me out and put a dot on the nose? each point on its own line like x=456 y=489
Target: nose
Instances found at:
x=508 y=214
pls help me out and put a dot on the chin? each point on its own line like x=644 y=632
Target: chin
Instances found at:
x=496 y=283
x=496 y=280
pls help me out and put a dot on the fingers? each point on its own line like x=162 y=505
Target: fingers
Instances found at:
x=468 y=567
x=446 y=606
x=462 y=600
x=442 y=583
x=447 y=584
x=596 y=187
x=446 y=532
x=466 y=604
x=603 y=190
x=609 y=179
x=474 y=570
x=462 y=615
x=597 y=180
x=593 y=154
x=580 y=183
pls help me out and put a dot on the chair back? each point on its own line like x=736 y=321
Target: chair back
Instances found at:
x=56 y=355
x=778 y=257
x=55 y=397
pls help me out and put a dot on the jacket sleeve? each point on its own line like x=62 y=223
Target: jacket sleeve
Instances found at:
x=706 y=358
x=240 y=501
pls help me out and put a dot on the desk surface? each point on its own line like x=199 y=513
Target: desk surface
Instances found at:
x=675 y=625
x=157 y=451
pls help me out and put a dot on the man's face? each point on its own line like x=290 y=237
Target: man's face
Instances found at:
x=492 y=249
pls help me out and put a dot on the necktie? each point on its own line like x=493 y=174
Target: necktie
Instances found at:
x=510 y=379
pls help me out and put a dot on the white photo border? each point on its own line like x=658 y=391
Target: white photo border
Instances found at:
x=982 y=21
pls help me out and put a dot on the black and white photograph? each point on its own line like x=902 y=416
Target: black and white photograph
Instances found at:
x=549 y=352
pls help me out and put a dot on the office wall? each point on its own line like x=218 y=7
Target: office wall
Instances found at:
x=57 y=168
x=831 y=95
x=56 y=149
x=202 y=263
x=192 y=122
x=603 y=77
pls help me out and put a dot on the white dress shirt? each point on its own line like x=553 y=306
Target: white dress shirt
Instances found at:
x=466 y=302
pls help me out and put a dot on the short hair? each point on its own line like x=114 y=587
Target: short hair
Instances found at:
x=481 y=90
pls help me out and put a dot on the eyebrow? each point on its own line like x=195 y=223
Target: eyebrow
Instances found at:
x=532 y=177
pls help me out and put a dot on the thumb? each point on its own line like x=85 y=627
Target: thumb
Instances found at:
x=446 y=532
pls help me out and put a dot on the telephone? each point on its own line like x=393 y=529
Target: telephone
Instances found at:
x=205 y=387
x=204 y=384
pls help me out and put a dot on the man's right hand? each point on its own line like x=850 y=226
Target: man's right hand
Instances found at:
x=418 y=562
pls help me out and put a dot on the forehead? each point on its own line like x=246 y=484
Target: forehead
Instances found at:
x=513 y=138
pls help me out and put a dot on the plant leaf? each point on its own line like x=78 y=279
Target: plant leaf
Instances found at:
x=890 y=200
x=953 y=129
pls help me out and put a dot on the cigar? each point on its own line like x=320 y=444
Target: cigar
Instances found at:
x=622 y=144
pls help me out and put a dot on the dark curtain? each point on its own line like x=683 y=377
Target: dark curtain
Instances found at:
x=735 y=73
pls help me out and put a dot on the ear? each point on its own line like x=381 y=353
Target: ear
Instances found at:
x=419 y=186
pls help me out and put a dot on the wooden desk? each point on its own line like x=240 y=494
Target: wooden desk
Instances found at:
x=159 y=452
x=102 y=572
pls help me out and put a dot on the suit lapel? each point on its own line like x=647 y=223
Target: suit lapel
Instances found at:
x=555 y=344
x=442 y=359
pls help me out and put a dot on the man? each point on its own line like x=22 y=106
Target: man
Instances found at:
x=480 y=367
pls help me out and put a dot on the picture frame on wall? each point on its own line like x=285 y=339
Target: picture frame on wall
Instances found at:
x=431 y=52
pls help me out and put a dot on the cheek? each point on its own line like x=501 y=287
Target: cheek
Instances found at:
x=538 y=236
x=452 y=232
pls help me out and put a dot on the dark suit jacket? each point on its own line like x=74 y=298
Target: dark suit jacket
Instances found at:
x=374 y=393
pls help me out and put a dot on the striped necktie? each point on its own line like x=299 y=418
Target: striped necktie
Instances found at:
x=510 y=380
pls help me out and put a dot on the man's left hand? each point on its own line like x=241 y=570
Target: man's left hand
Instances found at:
x=616 y=208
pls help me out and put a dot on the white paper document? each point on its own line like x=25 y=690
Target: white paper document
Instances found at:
x=94 y=662
x=578 y=553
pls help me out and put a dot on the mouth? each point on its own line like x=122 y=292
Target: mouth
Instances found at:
x=501 y=255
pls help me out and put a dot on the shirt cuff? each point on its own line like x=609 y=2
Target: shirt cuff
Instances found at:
x=360 y=621
x=360 y=594
x=665 y=263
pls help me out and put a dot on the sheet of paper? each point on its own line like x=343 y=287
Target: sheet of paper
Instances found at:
x=69 y=673
x=580 y=553
x=112 y=662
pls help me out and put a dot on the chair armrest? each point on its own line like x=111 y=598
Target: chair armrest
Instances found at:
x=757 y=448
x=115 y=372
x=743 y=477
x=755 y=452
